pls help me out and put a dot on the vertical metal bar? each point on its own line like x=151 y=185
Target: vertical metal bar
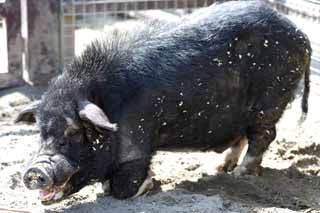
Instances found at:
x=63 y=32
x=84 y=17
x=156 y=5
x=104 y=10
x=135 y=6
x=126 y=10
x=94 y=14
x=61 y=37
x=24 y=35
x=73 y=27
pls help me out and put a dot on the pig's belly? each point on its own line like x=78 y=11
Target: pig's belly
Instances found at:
x=211 y=129
x=210 y=115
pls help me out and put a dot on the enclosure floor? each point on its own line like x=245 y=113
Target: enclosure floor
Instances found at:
x=187 y=183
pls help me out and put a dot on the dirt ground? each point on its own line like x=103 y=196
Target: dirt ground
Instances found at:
x=186 y=180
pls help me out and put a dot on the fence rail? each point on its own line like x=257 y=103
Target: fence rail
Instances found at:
x=308 y=9
x=83 y=7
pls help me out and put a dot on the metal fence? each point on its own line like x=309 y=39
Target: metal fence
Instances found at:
x=307 y=9
x=42 y=36
x=94 y=14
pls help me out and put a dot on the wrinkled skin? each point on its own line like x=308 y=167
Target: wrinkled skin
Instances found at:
x=71 y=151
x=205 y=82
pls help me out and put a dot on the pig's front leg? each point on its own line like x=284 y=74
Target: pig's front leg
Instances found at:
x=131 y=179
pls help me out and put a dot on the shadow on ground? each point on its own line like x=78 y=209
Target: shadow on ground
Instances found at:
x=287 y=188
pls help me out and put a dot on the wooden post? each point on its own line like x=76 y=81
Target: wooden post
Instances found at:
x=43 y=59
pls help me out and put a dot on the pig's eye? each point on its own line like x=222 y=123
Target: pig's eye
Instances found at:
x=74 y=137
x=62 y=144
x=69 y=132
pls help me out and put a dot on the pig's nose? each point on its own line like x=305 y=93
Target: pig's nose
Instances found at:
x=37 y=178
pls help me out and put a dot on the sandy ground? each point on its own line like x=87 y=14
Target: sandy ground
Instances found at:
x=186 y=180
x=290 y=180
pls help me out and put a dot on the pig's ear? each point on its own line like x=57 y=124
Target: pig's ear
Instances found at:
x=90 y=112
x=28 y=113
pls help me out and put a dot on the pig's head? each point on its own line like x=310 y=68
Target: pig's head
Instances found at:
x=74 y=147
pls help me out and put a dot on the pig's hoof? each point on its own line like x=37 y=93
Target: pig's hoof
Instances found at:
x=227 y=166
x=146 y=186
x=106 y=187
x=241 y=171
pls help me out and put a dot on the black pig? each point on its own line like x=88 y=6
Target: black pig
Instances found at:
x=208 y=81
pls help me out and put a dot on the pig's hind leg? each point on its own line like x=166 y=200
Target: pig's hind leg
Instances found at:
x=258 y=142
x=262 y=130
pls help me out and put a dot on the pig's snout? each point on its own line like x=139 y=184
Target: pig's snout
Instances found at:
x=37 y=178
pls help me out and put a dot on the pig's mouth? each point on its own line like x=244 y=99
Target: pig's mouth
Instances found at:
x=53 y=194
